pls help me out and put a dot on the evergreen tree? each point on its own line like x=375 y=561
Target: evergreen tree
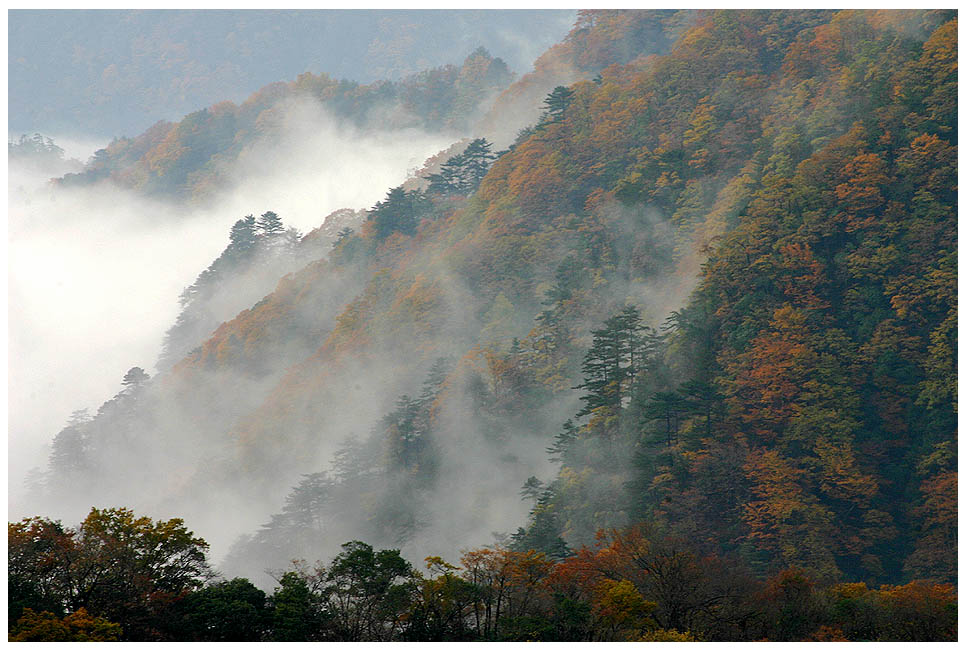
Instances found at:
x=556 y=104
x=270 y=226
x=242 y=240
x=669 y=408
x=451 y=177
x=563 y=442
x=134 y=379
x=461 y=174
x=69 y=455
x=405 y=427
x=342 y=235
x=544 y=531
x=305 y=503
x=621 y=350
x=399 y=211
x=477 y=159
x=532 y=488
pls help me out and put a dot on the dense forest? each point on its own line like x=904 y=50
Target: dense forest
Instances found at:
x=675 y=361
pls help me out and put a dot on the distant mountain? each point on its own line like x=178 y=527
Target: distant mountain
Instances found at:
x=190 y=158
x=159 y=65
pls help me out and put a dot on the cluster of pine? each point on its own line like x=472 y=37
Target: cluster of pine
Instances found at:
x=122 y=577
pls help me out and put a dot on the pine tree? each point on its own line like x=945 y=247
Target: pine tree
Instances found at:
x=532 y=488
x=399 y=211
x=477 y=159
x=563 y=442
x=69 y=455
x=462 y=173
x=306 y=501
x=242 y=240
x=134 y=379
x=433 y=382
x=556 y=104
x=621 y=349
x=270 y=226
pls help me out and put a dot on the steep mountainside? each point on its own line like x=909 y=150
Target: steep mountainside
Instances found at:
x=713 y=288
x=598 y=39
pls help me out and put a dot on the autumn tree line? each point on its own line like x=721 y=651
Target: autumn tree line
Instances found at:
x=122 y=577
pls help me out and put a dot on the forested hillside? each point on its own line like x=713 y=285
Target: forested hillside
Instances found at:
x=192 y=158
x=679 y=363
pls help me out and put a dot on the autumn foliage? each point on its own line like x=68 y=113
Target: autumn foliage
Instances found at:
x=742 y=464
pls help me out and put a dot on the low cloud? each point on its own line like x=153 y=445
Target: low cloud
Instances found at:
x=94 y=273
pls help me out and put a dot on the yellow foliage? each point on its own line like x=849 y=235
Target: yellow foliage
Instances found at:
x=78 y=626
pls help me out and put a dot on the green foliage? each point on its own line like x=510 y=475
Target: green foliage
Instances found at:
x=556 y=104
x=796 y=420
x=233 y=610
x=636 y=584
x=621 y=350
x=462 y=173
x=365 y=592
x=440 y=607
x=804 y=374
x=185 y=159
x=256 y=247
x=36 y=148
x=115 y=565
x=296 y=610
x=400 y=211
x=269 y=225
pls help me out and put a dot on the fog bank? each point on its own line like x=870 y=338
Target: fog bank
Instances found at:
x=94 y=273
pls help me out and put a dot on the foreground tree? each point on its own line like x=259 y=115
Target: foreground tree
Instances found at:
x=78 y=626
x=366 y=592
x=118 y=566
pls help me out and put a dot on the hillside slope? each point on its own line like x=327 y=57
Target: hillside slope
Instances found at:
x=193 y=157
x=741 y=253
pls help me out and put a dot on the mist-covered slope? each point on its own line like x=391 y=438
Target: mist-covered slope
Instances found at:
x=713 y=288
x=598 y=39
x=192 y=158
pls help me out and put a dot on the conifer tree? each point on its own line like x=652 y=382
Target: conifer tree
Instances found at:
x=134 y=379
x=270 y=226
x=242 y=239
x=556 y=104
x=620 y=350
x=562 y=443
x=399 y=211
x=462 y=173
